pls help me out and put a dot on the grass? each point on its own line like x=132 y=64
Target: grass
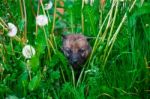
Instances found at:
x=117 y=68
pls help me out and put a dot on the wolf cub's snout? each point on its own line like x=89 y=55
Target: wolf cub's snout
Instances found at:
x=76 y=48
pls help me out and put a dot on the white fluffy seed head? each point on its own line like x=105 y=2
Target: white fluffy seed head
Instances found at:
x=28 y=51
x=91 y=2
x=12 y=30
x=86 y=1
x=49 y=5
x=41 y=20
x=122 y=0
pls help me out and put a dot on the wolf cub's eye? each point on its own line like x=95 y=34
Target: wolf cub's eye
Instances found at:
x=68 y=50
x=81 y=50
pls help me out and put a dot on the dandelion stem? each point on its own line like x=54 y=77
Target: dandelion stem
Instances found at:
x=17 y=38
x=49 y=19
x=82 y=22
x=51 y=45
x=53 y=24
x=46 y=39
x=29 y=70
x=11 y=43
x=82 y=17
x=54 y=16
x=37 y=14
x=42 y=7
x=82 y=4
x=25 y=17
x=21 y=9
x=4 y=24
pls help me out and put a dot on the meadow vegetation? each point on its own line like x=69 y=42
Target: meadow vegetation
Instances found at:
x=32 y=65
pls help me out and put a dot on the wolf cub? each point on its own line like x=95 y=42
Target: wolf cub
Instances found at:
x=76 y=48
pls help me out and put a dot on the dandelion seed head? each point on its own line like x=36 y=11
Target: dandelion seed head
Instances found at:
x=41 y=20
x=12 y=30
x=28 y=51
x=91 y=2
x=49 y=5
x=122 y=0
x=86 y=1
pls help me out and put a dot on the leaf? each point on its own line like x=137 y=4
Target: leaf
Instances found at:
x=40 y=40
x=4 y=89
x=54 y=60
x=62 y=58
x=9 y=49
x=22 y=83
x=40 y=49
x=55 y=75
x=23 y=77
x=21 y=65
x=64 y=61
x=21 y=24
x=34 y=63
x=35 y=82
x=139 y=12
x=58 y=57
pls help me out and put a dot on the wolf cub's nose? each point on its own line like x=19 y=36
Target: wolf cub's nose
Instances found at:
x=74 y=58
x=74 y=61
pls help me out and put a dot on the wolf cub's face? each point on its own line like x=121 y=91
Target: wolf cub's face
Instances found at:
x=76 y=48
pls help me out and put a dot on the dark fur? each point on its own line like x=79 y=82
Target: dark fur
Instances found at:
x=76 y=48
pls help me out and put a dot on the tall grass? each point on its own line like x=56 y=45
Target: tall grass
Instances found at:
x=117 y=68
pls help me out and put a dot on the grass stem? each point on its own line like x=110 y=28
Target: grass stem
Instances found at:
x=112 y=41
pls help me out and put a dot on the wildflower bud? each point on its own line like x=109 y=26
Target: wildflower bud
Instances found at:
x=28 y=51
x=12 y=30
x=41 y=20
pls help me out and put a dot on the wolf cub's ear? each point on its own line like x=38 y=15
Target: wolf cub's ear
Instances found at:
x=87 y=38
x=63 y=36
